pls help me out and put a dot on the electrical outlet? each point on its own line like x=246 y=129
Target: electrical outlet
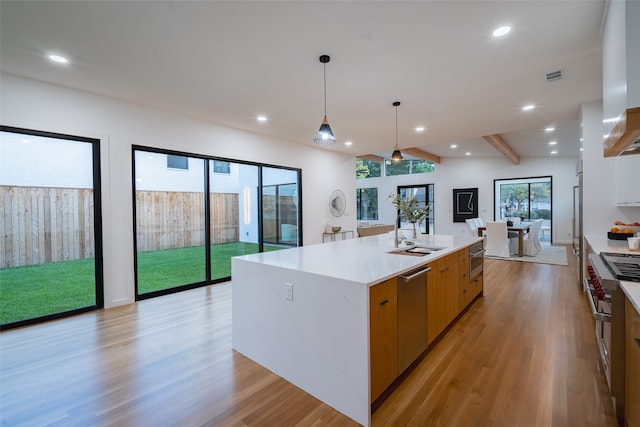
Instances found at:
x=288 y=291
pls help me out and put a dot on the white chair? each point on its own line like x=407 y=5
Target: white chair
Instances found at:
x=536 y=236
x=530 y=243
x=497 y=243
x=479 y=222
x=473 y=227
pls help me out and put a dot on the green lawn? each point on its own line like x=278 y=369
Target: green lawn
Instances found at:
x=40 y=290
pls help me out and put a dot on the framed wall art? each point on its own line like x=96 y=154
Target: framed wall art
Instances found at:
x=465 y=204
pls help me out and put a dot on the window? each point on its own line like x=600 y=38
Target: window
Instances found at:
x=368 y=169
x=367 y=203
x=221 y=167
x=177 y=162
x=424 y=193
x=408 y=167
x=190 y=224
x=527 y=198
x=51 y=253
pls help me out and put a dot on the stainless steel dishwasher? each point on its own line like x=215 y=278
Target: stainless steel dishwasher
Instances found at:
x=412 y=316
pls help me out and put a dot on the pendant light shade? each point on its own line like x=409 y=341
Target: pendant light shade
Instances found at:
x=396 y=155
x=325 y=134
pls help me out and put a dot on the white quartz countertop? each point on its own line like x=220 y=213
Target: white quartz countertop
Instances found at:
x=364 y=260
x=599 y=244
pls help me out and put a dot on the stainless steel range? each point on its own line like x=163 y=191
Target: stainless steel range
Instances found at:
x=607 y=304
x=623 y=266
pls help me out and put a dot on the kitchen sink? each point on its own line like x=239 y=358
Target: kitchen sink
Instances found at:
x=417 y=250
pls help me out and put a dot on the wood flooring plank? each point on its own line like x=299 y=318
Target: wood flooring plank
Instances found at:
x=522 y=355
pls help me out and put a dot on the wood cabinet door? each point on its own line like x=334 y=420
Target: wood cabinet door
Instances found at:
x=442 y=294
x=632 y=365
x=383 y=324
x=464 y=291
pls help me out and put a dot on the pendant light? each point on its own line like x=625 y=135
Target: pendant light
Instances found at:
x=325 y=134
x=397 y=155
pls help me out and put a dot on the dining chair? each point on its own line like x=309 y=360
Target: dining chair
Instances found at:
x=473 y=228
x=530 y=243
x=536 y=236
x=497 y=243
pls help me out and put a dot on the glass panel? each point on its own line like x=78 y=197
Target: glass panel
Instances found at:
x=527 y=198
x=280 y=200
x=367 y=203
x=170 y=223
x=368 y=169
x=48 y=250
x=234 y=214
x=408 y=167
x=424 y=194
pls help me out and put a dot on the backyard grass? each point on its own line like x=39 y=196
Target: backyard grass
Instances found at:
x=40 y=290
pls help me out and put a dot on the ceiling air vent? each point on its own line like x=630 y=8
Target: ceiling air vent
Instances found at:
x=554 y=76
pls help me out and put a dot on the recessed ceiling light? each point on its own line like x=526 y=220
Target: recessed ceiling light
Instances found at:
x=553 y=142
x=502 y=31
x=550 y=129
x=58 y=58
x=420 y=129
x=581 y=149
x=468 y=153
x=554 y=152
x=528 y=107
x=454 y=146
x=261 y=119
x=348 y=143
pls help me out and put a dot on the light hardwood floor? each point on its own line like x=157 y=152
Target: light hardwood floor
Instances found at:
x=523 y=355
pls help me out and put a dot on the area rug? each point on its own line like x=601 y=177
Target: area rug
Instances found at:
x=548 y=255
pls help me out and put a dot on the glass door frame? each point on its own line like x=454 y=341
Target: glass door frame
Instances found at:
x=208 y=160
x=97 y=224
x=497 y=209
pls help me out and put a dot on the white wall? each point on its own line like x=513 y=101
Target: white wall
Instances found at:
x=471 y=173
x=40 y=106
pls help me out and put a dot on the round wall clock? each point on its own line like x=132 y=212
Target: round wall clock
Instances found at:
x=337 y=203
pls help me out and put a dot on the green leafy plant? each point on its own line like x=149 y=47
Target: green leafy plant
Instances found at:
x=410 y=210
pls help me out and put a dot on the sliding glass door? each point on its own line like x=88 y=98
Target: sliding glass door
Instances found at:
x=170 y=221
x=280 y=213
x=424 y=194
x=233 y=221
x=193 y=214
x=526 y=198
x=51 y=250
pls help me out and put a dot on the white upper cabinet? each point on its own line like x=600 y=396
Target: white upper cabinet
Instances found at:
x=627 y=181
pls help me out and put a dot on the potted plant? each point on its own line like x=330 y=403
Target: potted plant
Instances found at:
x=410 y=210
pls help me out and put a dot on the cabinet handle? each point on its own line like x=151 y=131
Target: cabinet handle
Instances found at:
x=384 y=302
x=638 y=341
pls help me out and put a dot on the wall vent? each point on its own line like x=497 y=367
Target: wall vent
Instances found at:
x=554 y=76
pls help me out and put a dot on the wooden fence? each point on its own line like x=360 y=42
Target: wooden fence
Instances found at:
x=168 y=220
x=42 y=225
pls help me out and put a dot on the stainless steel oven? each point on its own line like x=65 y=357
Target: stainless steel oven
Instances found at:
x=476 y=258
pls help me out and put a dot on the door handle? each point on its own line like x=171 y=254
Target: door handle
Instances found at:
x=384 y=302
x=414 y=275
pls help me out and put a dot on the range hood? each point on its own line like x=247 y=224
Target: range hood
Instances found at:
x=624 y=138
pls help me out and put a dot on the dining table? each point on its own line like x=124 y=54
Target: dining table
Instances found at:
x=521 y=228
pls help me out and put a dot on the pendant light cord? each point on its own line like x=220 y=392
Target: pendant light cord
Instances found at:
x=324 y=65
x=396 y=126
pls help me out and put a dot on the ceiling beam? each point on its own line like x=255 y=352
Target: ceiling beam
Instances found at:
x=370 y=157
x=416 y=152
x=500 y=144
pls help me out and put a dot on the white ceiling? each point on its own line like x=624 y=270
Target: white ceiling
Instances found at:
x=227 y=62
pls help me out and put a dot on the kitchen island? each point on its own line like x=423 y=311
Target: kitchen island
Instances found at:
x=304 y=313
